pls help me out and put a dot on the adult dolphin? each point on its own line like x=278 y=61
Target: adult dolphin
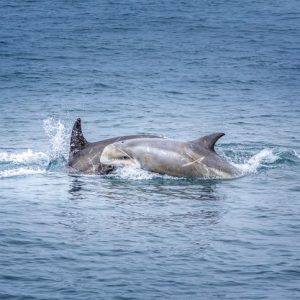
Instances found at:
x=191 y=159
x=84 y=157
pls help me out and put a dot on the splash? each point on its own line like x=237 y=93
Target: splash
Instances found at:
x=57 y=133
x=267 y=159
x=30 y=162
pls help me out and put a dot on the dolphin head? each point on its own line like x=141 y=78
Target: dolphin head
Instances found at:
x=118 y=154
x=154 y=155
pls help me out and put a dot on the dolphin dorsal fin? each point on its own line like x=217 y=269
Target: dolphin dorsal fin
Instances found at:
x=209 y=141
x=77 y=139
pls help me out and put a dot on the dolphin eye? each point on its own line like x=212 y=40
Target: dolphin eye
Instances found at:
x=125 y=157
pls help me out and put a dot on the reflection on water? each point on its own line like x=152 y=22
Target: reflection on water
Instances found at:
x=155 y=202
x=76 y=187
x=158 y=188
x=155 y=188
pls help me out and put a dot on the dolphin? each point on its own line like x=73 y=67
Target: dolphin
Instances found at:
x=84 y=157
x=193 y=159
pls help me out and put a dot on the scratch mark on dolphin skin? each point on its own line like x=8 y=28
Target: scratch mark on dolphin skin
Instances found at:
x=91 y=159
x=192 y=162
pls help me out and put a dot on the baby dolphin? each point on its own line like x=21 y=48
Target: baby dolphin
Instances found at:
x=84 y=157
x=193 y=159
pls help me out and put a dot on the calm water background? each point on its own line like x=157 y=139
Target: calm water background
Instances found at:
x=181 y=69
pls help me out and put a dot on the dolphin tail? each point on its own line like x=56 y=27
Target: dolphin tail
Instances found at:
x=77 y=139
x=209 y=141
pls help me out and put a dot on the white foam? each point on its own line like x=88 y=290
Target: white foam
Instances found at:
x=134 y=174
x=20 y=172
x=26 y=157
x=265 y=156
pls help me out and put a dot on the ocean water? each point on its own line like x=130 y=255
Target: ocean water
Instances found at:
x=180 y=69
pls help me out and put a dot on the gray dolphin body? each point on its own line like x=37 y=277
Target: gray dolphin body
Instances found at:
x=194 y=159
x=84 y=157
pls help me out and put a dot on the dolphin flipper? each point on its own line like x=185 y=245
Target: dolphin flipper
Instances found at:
x=209 y=141
x=77 y=139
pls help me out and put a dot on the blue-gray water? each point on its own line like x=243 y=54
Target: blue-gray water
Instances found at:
x=177 y=68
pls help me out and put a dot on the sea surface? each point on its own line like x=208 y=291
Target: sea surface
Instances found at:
x=181 y=69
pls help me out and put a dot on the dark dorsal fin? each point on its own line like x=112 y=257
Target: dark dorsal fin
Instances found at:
x=77 y=139
x=209 y=141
